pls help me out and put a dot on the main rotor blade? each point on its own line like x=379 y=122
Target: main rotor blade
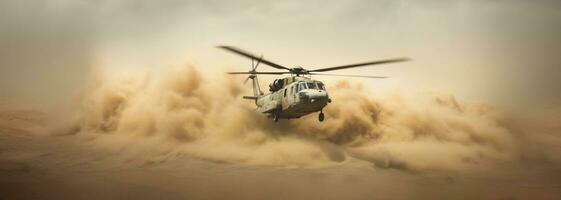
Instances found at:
x=361 y=64
x=251 y=56
x=271 y=73
x=346 y=75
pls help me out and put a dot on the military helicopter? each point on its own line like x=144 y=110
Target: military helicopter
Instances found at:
x=298 y=94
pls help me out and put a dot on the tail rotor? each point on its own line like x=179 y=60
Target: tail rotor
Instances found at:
x=252 y=72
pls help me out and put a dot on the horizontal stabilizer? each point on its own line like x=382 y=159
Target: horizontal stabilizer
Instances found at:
x=250 y=97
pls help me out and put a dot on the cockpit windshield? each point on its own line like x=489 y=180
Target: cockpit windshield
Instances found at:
x=312 y=85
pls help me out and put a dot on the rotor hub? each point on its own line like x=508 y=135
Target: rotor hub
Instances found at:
x=298 y=70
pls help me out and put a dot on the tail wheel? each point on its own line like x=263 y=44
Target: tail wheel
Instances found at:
x=321 y=117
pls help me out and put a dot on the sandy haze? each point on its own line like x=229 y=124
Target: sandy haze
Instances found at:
x=178 y=136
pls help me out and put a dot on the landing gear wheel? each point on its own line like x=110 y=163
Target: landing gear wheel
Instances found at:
x=321 y=117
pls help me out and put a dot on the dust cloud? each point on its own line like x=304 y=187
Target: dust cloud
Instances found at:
x=152 y=119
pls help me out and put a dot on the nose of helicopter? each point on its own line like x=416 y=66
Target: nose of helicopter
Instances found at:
x=318 y=97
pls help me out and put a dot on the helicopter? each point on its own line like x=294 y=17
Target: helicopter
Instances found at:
x=296 y=95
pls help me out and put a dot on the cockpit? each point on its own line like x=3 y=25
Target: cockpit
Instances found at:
x=312 y=93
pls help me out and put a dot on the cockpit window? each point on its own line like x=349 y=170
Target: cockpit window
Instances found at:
x=320 y=85
x=311 y=86
x=301 y=86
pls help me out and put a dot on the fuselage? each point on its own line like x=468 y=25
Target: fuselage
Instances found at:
x=294 y=97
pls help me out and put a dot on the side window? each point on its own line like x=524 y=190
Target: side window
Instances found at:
x=301 y=86
x=285 y=92
x=291 y=89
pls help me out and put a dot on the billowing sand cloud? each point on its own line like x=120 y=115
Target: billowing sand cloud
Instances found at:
x=152 y=119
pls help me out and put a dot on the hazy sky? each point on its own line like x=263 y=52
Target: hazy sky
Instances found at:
x=504 y=52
